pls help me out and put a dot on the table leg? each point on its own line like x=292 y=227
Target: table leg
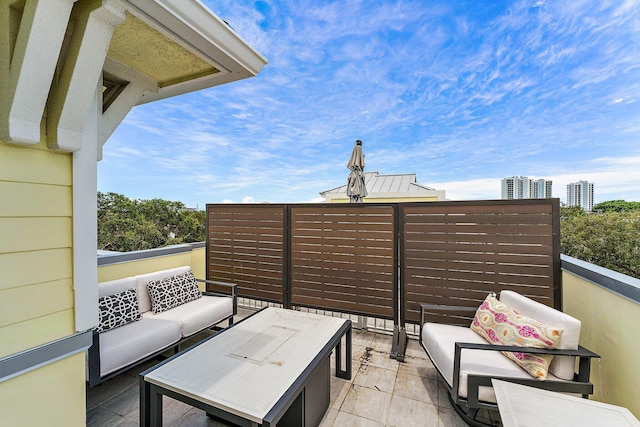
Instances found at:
x=346 y=373
x=144 y=403
x=155 y=406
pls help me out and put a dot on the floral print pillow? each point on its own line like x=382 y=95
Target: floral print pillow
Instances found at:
x=499 y=324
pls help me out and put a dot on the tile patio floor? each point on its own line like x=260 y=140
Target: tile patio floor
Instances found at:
x=382 y=392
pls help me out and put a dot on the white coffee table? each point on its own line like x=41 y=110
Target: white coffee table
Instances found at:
x=524 y=406
x=270 y=367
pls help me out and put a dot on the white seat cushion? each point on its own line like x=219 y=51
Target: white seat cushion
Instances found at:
x=561 y=366
x=122 y=346
x=196 y=315
x=440 y=340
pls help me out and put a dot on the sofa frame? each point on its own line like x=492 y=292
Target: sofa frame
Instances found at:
x=468 y=407
x=94 y=377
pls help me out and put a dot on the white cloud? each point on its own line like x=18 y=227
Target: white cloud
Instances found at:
x=462 y=97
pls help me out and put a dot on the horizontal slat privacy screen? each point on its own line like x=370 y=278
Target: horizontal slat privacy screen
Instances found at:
x=346 y=257
x=342 y=258
x=245 y=246
x=456 y=253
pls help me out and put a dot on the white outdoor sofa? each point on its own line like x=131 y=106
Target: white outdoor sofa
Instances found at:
x=467 y=362
x=122 y=347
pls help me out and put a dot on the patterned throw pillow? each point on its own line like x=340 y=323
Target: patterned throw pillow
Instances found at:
x=118 y=310
x=499 y=324
x=173 y=291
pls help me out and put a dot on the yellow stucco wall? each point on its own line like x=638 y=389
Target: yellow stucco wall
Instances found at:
x=195 y=259
x=36 y=285
x=53 y=395
x=610 y=329
x=148 y=265
x=199 y=263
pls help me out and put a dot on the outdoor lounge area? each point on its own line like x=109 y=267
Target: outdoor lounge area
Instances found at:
x=382 y=391
x=389 y=387
x=70 y=72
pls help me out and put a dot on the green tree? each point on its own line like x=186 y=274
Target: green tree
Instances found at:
x=617 y=206
x=127 y=224
x=610 y=240
x=567 y=212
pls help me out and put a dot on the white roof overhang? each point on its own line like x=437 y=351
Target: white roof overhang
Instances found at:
x=200 y=49
x=55 y=53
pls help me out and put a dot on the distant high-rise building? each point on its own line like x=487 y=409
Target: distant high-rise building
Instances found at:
x=580 y=194
x=521 y=187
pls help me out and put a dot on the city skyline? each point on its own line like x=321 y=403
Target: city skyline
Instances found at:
x=461 y=96
x=581 y=194
x=523 y=187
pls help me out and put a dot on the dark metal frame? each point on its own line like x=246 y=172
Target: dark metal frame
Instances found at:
x=468 y=408
x=94 y=350
x=151 y=394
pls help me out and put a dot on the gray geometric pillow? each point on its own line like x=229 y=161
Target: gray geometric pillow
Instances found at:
x=118 y=310
x=173 y=291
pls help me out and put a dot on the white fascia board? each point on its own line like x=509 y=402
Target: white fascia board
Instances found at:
x=192 y=25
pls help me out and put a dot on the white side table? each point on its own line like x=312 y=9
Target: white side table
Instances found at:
x=524 y=406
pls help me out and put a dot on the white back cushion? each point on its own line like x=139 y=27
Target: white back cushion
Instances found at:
x=561 y=366
x=114 y=286
x=141 y=280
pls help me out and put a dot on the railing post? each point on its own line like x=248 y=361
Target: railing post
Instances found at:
x=286 y=268
x=400 y=338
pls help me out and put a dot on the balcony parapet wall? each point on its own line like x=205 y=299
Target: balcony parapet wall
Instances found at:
x=618 y=283
x=608 y=305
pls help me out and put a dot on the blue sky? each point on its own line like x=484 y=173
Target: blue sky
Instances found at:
x=461 y=93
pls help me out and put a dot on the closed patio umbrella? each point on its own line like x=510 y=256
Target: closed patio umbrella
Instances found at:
x=356 y=190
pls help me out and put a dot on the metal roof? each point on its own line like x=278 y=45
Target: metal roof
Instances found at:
x=377 y=183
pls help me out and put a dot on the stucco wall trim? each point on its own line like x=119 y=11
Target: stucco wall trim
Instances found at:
x=621 y=284
x=34 y=358
x=146 y=254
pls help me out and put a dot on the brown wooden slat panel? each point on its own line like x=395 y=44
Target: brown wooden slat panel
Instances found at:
x=462 y=291
x=499 y=279
x=516 y=229
x=373 y=296
x=452 y=250
x=245 y=255
x=480 y=257
x=455 y=253
x=339 y=254
x=328 y=283
x=480 y=207
x=488 y=247
x=357 y=227
x=488 y=238
x=340 y=241
x=343 y=257
x=521 y=218
x=249 y=229
x=462 y=269
x=255 y=276
x=245 y=246
x=237 y=267
x=249 y=276
x=361 y=264
x=356 y=276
